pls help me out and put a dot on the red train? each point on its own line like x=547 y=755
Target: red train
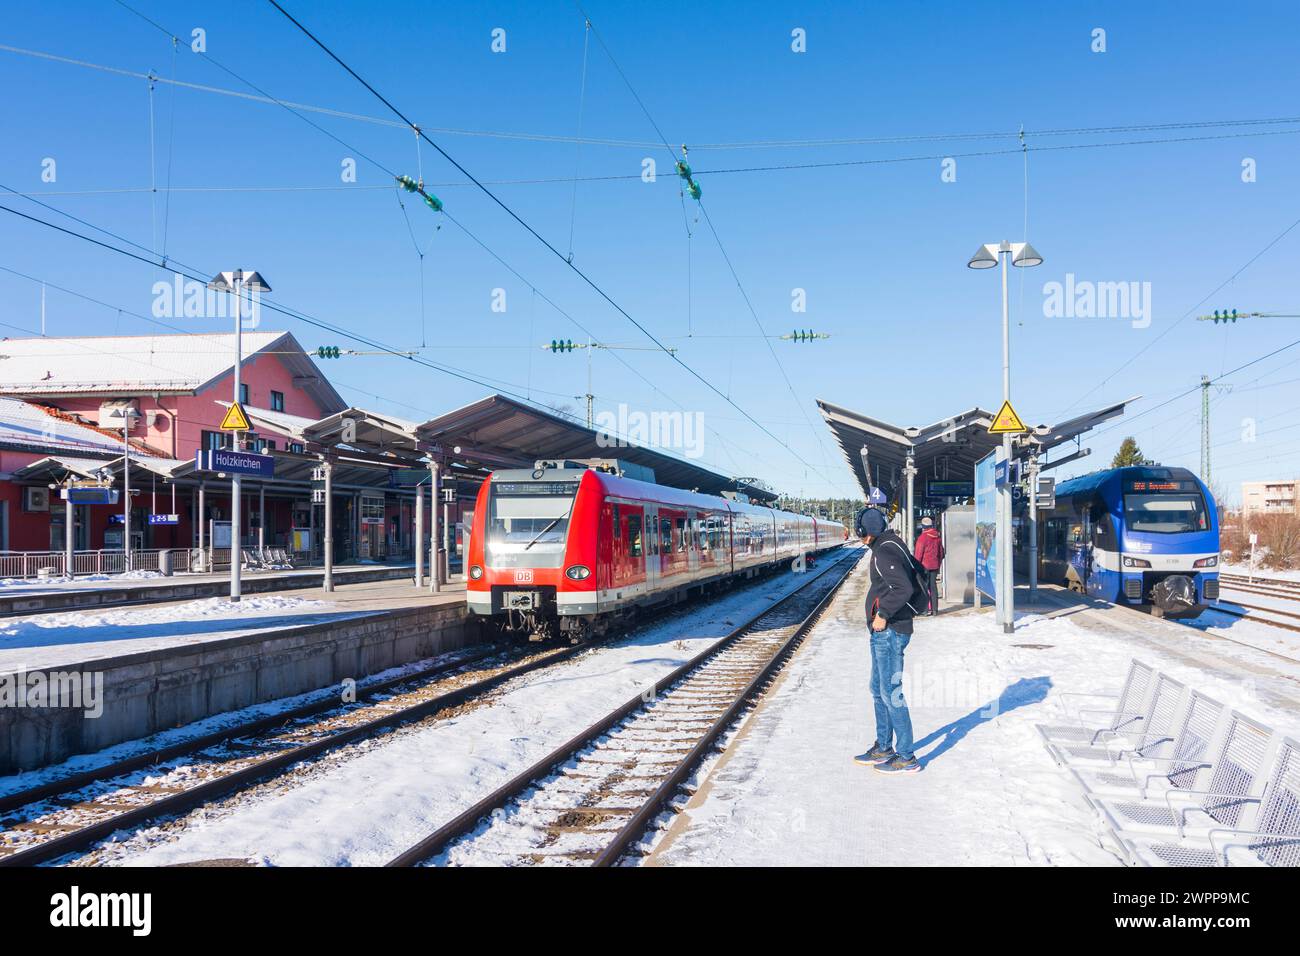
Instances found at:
x=566 y=549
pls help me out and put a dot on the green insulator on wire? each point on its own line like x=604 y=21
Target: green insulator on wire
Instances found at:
x=409 y=184
x=693 y=189
x=683 y=170
x=433 y=202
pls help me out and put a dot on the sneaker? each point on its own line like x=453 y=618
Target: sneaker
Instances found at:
x=876 y=755
x=897 y=764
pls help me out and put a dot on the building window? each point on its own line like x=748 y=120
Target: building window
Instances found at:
x=277 y=401
x=215 y=441
x=296 y=447
x=243 y=393
x=372 y=510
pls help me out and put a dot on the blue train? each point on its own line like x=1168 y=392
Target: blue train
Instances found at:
x=1140 y=536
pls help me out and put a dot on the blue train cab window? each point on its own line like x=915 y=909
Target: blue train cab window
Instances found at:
x=1166 y=512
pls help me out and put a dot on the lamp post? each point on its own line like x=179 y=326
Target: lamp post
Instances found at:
x=128 y=415
x=1022 y=255
x=235 y=282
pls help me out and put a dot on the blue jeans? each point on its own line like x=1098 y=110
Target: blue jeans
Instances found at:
x=893 y=723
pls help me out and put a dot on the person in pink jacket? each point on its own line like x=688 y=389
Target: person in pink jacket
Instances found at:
x=929 y=554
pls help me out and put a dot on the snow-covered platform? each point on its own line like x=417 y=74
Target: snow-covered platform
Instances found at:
x=786 y=790
x=33 y=596
x=130 y=672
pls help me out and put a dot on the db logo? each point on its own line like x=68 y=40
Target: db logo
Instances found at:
x=524 y=576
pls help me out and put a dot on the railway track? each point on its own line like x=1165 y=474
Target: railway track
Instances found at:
x=1284 y=590
x=591 y=800
x=68 y=815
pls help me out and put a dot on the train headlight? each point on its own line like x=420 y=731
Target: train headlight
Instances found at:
x=1211 y=562
x=1136 y=562
x=578 y=573
x=475 y=572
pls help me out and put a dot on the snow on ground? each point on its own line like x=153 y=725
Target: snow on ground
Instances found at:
x=44 y=584
x=382 y=796
x=1261 y=573
x=49 y=641
x=788 y=792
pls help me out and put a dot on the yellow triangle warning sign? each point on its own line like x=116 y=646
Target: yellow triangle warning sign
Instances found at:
x=235 y=420
x=1005 y=422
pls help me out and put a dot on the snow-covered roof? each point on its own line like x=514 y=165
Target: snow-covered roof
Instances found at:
x=26 y=425
x=131 y=364
x=57 y=465
x=282 y=422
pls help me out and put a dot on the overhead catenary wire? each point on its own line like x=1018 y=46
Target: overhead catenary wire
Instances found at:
x=802 y=143
x=532 y=231
x=461 y=226
x=482 y=381
x=1209 y=295
x=816 y=432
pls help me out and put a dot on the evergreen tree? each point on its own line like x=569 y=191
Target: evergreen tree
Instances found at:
x=1129 y=454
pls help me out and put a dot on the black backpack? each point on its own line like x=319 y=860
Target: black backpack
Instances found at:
x=920 y=596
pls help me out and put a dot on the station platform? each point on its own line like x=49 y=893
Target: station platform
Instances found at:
x=144 y=669
x=35 y=597
x=787 y=791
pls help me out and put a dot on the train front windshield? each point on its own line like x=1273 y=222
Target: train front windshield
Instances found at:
x=528 y=522
x=1165 y=512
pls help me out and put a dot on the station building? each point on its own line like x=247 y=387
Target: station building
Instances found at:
x=69 y=408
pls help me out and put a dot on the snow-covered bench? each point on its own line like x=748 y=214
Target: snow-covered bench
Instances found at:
x=1126 y=712
x=1174 y=757
x=1248 y=812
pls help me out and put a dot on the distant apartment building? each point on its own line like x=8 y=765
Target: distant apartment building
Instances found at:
x=1269 y=497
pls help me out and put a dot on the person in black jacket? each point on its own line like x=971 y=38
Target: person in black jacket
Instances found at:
x=892 y=602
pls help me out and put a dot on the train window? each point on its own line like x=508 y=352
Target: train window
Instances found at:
x=1177 y=513
x=665 y=535
x=681 y=534
x=1103 y=528
x=1054 y=537
x=634 y=536
x=618 y=525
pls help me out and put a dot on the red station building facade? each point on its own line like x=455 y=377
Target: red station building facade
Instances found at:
x=63 y=402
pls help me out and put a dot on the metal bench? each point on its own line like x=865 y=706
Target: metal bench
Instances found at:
x=1245 y=817
x=1235 y=771
x=1164 y=760
x=1127 y=712
x=1152 y=728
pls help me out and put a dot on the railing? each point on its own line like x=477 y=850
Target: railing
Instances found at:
x=25 y=565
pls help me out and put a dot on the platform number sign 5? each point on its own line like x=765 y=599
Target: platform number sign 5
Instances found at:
x=523 y=576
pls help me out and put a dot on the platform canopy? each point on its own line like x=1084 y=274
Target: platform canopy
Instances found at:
x=499 y=432
x=946 y=449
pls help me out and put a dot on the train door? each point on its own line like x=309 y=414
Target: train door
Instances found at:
x=630 y=549
x=651 y=545
x=692 y=532
x=1076 y=572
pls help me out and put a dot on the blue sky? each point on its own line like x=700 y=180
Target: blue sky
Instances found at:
x=879 y=249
